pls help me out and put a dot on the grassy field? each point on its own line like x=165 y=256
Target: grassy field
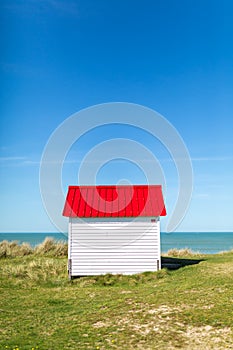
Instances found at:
x=188 y=308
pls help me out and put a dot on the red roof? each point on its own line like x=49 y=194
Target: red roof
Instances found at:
x=114 y=201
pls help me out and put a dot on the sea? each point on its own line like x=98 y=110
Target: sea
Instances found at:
x=203 y=242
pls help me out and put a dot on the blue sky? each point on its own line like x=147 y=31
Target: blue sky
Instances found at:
x=58 y=57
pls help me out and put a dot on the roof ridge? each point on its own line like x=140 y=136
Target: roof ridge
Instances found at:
x=113 y=186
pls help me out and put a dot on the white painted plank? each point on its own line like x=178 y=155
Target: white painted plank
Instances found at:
x=118 y=271
x=108 y=255
x=116 y=220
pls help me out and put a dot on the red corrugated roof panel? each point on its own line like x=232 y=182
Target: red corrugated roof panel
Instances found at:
x=114 y=201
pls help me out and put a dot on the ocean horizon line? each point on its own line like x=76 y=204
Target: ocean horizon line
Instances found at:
x=204 y=242
x=58 y=232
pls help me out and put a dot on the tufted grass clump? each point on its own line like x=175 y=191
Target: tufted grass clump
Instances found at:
x=185 y=252
x=52 y=248
x=13 y=249
x=35 y=270
x=49 y=247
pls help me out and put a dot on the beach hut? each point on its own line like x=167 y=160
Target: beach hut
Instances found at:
x=113 y=229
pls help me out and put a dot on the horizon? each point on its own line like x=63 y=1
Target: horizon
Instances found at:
x=167 y=233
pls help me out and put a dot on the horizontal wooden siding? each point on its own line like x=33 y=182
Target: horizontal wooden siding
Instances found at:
x=113 y=247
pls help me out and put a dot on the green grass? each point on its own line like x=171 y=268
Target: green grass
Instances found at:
x=190 y=308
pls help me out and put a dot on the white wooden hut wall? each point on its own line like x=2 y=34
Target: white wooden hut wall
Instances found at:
x=110 y=245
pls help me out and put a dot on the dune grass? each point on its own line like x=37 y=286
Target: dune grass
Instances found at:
x=190 y=308
x=185 y=252
x=48 y=247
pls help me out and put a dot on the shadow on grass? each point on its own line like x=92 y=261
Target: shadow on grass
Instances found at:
x=176 y=263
